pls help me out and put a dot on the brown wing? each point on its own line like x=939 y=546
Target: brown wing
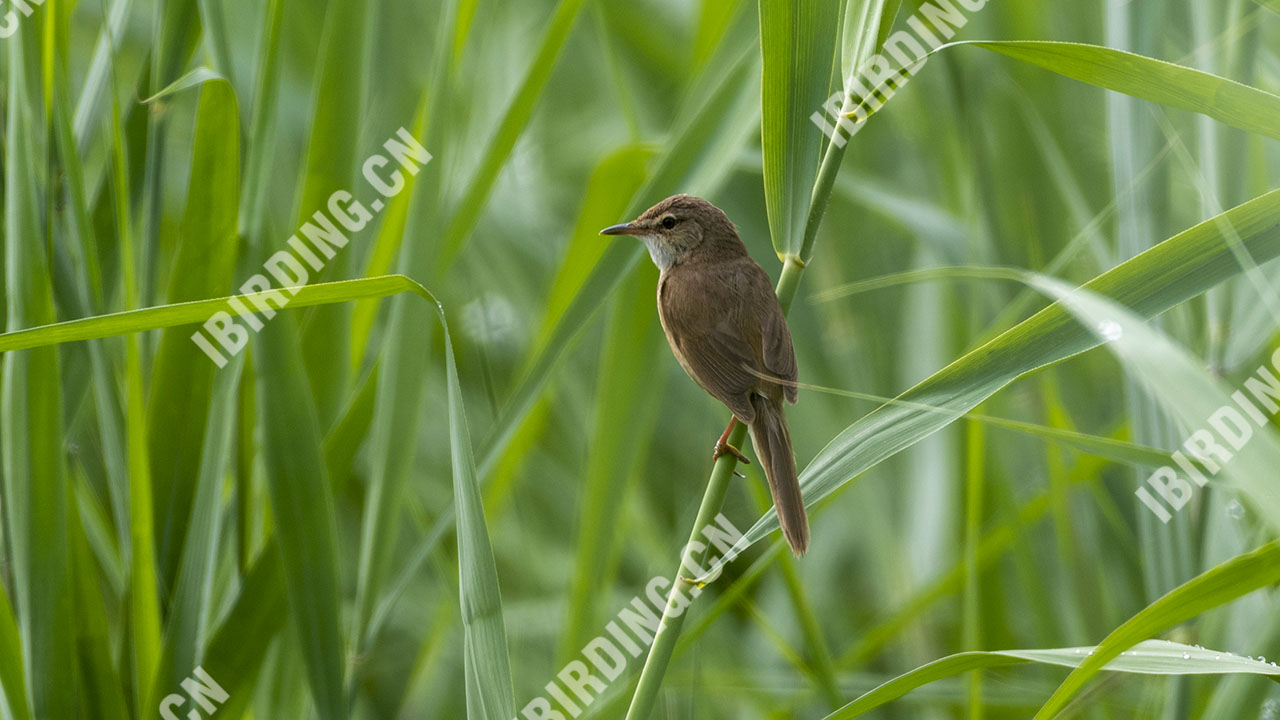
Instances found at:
x=726 y=329
x=779 y=355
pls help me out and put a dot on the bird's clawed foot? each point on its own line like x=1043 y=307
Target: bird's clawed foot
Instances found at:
x=726 y=449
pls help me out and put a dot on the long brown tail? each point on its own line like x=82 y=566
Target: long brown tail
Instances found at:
x=772 y=442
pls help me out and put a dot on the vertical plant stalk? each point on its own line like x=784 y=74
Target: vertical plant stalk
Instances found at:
x=821 y=666
x=664 y=643
x=975 y=460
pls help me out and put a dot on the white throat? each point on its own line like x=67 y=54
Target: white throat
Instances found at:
x=661 y=257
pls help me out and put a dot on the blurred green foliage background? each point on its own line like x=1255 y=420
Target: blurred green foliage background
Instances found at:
x=319 y=524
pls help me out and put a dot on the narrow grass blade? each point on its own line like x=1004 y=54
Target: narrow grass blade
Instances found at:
x=1224 y=583
x=706 y=121
x=395 y=407
x=1176 y=382
x=715 y=17
x=185 y=634
x=103 y=694
x=487 y=668
x=13 y=686
x=182 y=377
x=191 y=79
x=197 y=311
x=797 y=43
x=302 y=505
x=1227 y=101
x=1179 y=384
x=1177 y=269
x=1096 y=445
x=861 y=34
x=395 y=386
x=512 y=125
x=215 y=35
x=330 y=166
x=174 y=37
x=683 y=163
x=487 y=664
x=616 y=179
x=265 y=110
x=238 y=646
x=31 y=427
x=1172 y=378
x=385 y=250
x=144 y=602
x=88 y=300
x=633 y=346
x=343 y=442
x=305 y=514
x=1150 y=657
x=97 y=82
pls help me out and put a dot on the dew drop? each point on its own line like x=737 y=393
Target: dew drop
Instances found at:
x=1186 y=656
x=1110 y=330
x=1235 y=510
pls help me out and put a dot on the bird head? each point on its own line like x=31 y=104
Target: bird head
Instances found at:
x=676 y=228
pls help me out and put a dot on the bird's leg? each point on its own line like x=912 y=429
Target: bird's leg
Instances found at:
x=724 y=448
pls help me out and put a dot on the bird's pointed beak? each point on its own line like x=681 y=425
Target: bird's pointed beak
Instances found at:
x=622 y=229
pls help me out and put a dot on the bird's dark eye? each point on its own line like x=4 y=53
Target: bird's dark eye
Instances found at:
x=669 y=222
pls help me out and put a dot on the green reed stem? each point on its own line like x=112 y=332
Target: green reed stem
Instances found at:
x=679 y=600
